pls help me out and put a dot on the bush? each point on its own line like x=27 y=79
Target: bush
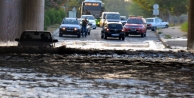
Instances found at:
x=53 y=16
x=184 y=27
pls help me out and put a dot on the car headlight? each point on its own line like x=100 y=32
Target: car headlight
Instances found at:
x=141 y=27
x=75 y=29
x=63 y=28
x=127 y=26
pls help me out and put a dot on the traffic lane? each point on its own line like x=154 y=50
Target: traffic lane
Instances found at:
x=94 y=40
x=95 y=35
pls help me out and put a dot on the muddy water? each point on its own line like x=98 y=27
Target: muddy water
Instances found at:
x=129 y=74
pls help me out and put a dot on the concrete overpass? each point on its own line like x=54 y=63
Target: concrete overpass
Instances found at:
x=19 y=15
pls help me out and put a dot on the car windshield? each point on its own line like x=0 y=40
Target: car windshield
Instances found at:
x=113 y=16
x=88 y=17
x=150 y=20
x=115 y=26
x=70 y=21
x=123 y=18
x=134 y=21
x=104 y=16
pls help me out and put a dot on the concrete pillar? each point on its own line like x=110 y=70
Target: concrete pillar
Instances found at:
x=10 y=19
x=190 y=41
x=33 y=14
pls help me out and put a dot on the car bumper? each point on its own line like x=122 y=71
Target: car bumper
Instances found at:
x=115 y=34
x=70 y=32
x=134 y=32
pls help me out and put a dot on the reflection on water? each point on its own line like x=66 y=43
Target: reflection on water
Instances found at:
x=94 y=76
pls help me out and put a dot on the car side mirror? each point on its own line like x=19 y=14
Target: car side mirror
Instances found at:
x=55 y=40
x=17 y=39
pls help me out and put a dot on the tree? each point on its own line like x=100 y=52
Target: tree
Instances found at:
x=117 y=6
x=173 y=6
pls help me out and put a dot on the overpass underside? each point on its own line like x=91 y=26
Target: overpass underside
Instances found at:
x=19 y=15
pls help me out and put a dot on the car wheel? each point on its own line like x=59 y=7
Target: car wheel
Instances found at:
x=142 y=34
x=60 y=35
x=126 y=34
x=105 y=37
x=123 y=38
x=78 y=35
x=119 y=38
x=102 y=36
x=154 y=29
x=166 y=26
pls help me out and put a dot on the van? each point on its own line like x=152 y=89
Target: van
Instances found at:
x=103 y=17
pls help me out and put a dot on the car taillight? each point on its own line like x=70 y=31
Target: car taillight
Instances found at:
x=107 y=30
x=123 y=30
x=149 y=24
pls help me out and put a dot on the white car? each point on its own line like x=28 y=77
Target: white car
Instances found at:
x=155 y=23
x=91 y=19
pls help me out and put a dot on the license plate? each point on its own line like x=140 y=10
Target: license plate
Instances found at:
x=133 y=29
x=115 y=34
x=69 y=30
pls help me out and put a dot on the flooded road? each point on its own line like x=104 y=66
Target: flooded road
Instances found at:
x=98 y=74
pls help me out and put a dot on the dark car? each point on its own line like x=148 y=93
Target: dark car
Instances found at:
x=70 y=26
x=113 y=29
x=136 y=26
x=36 y=38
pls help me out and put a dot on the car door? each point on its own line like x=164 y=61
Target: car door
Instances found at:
x=161 y=23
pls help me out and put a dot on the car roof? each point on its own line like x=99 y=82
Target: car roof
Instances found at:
x=114 y=23
x=152 y=17
x=135 y=18
x=110 y=12
x=70 y=18
x=87 y=15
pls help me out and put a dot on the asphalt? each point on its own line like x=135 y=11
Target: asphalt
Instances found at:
x=173 y=37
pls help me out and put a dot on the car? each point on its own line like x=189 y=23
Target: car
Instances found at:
x=136 y=25
x=155 y=23
x=103 y=17
x=89 y=26
x=112 y=17
x=36 y=38
x=70 y=26
x=91 y=20
x=123 y=19
x=113 y=29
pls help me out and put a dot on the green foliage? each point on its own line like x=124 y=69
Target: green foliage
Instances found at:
x=175 y=7
x=53 y=16
x=117 y=6
x=136 y=10
x=184 y=27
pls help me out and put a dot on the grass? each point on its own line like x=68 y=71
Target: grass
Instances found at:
x=184 y=27
x=52 y=28
x=167 y=37
x=159 y=32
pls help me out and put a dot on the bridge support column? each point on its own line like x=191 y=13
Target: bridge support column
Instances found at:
x=33 y=14
x=190 y=41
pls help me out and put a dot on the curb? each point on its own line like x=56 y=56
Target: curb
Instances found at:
x=163 y=42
